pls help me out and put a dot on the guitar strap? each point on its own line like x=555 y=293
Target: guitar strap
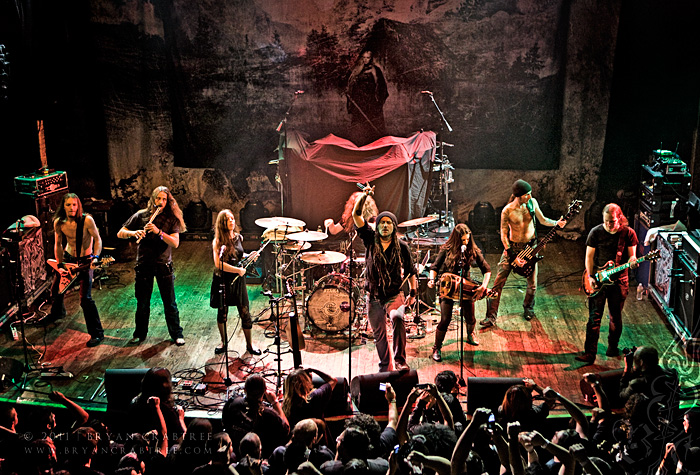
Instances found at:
x=531 y=208
x=79 y=235
x=620 y=248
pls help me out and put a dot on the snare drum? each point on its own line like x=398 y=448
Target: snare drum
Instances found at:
x=328 y=305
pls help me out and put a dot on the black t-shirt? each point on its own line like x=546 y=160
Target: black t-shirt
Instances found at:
x=477 y=261
x=152 y=249
x=270 y=427
x=606 y=246
x=366 y=233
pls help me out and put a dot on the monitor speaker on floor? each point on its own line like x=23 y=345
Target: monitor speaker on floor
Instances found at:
x=338 y=405
x=122 y=385
x=488 y=392
x=369 y=399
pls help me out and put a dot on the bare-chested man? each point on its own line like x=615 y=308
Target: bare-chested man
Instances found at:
x=68 y=220
x=517 y=230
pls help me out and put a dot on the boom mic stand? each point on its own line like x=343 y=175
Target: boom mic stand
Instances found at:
x=21 y=307
x=222 y=304
x=282 y=147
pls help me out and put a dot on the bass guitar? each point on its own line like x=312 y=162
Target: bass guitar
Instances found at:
x=449 y=288
x=605 y=275
x=71 y=271
x=531 y=254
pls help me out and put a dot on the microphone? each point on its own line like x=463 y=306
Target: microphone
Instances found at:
x=464 y=248
x=222 y=250
x=426 y=92
x=299 y=92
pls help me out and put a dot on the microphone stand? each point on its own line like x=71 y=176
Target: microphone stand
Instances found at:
x=222 y=304
x=461 y=319
x=281 y=148
x=447 y=124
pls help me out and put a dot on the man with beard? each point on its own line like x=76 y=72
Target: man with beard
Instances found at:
x=388 y=261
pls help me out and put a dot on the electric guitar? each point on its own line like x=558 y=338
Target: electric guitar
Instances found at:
x=530 y=254
x=71 y=271
x=605 y=275
x=245 y=263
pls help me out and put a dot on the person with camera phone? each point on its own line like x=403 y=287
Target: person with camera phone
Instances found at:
x=643 y=374
x=427 y=395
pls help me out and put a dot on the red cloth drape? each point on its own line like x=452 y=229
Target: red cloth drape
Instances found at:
x=319 y=177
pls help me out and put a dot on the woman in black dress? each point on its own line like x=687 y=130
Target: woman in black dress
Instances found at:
x=448 y=260
x=228 y=251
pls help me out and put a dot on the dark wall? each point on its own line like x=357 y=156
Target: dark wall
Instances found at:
x=656 y=89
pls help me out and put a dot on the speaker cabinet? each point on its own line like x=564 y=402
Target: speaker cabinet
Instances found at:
x=662 y=269
x=488 y=392
x=687 y=306
x=122 y=385
x=369 y=399
x=32 y=260
x=338 y=405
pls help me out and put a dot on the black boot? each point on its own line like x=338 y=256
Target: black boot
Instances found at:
x=470 y=336
x=439 y=338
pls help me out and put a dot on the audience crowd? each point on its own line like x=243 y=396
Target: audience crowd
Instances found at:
x=431 y=434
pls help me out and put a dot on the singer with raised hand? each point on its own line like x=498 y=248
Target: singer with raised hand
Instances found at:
x=457 y=256
x=157 y=229
x=389 y=262
x=227 y=250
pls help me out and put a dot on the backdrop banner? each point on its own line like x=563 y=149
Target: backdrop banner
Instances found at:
x=319 y=177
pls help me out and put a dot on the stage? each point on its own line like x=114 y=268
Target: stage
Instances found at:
x=542 y=349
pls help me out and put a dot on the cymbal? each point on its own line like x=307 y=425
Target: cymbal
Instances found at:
x=322 y=257
x=418 y=221
x=278 y=221
x=280 y=233
x=435 y=241
x=308 y=236
x=297 y=246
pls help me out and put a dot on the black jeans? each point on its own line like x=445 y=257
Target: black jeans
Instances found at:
x=165 y=278
x=615 y=295
x=92 y=317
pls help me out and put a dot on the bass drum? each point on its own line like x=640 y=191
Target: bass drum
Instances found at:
x=328 y=305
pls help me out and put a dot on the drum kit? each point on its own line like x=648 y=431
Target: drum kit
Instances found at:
x=328 y=303
x=326 y=298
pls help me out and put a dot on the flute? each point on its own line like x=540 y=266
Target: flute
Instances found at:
x=153 y=216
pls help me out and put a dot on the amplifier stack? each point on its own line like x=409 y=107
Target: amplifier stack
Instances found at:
x=664 y=190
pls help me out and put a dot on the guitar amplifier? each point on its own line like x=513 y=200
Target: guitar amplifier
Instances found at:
x=38 y=185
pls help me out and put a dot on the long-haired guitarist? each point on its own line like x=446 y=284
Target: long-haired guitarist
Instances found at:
x=82 y=240
x=458 y=253
x=228 y=251
x=517 y=231
x=615 y=241
x=157 y=229
x=389 y=262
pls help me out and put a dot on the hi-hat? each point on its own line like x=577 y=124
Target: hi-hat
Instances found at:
x=308 y=236
x=322 y=257
x=418 y=221
x=280 y=233
x=297 y=246
x=278 y=221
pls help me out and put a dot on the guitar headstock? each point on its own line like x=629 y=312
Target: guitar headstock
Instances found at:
x=653 y=255
x=574 y=208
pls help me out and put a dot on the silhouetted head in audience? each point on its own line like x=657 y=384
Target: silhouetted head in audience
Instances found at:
x=220 y=448
x=353 y=443
x=82 y=446
x=446 y=381
x=250 y=445
x=305 y=432
x=440 y=440
x=157 y=382
x=297 y=388
x=373 y=430
x=255 y=388
x=691 y=422
x=356 y=467
x=43 y=456
x=8 y=417
x=516 y=401
x=645 y=359
x=131 y=462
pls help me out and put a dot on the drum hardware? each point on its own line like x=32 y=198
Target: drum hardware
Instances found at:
x=277 y=229
x=308 y=236
x=275 y=317
x=279 y=222
x=418 y=221
x=328 y=304
x=322 y=257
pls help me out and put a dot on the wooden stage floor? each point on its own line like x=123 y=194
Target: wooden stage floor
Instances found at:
x=542 y=349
